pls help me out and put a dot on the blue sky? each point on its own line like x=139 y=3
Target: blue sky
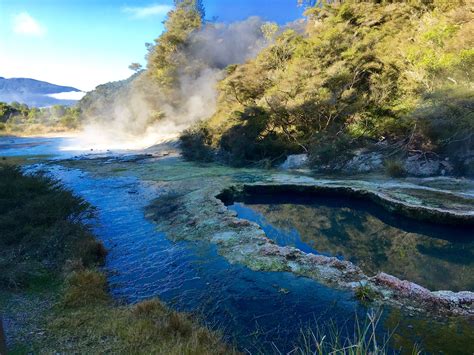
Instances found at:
x=84 y=43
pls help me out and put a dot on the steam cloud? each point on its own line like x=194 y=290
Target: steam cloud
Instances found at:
x=127 y=121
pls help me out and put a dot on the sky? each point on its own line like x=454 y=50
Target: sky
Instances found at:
x=84 y=43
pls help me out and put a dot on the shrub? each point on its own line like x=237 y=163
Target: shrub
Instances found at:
x=249 y=142
x=196 y=145
x=40 y=228
x=395 y=168
x=326 y=149
x=91 y=251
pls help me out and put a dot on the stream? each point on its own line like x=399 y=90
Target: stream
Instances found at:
x=260 y=312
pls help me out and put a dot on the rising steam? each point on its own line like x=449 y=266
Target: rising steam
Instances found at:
x=128 y=119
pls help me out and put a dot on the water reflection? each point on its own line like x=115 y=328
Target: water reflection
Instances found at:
x=436 y=257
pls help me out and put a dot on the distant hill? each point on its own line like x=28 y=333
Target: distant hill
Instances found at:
x=35 y=93
x=97 y=103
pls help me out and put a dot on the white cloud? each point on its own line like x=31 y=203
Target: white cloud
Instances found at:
x=147 y=11
x=25 y=24
x=71 y=95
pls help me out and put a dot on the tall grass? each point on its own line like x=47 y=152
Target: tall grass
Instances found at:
x=40 y=228
x=330 y=339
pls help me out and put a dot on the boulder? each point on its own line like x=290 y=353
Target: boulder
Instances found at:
x=297 y=161
x=364 y=163
x=419 y=165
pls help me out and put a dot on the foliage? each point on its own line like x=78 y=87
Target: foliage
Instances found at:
x=395 y=168
x=97 y=104
x=365 y=293
x=446 y=117
x=249 y=142
x=195 y=145
x=326 y=149
x=196 y=5
x=364 y=72
x=136 y=67
x=166 y=57
x=19 y=118
x=40 y=228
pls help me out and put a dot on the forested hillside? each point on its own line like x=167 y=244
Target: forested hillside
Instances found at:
x=355 y=85
x=395 y=77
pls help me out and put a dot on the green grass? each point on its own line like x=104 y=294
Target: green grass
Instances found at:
x=365 y=293
x=148 y=327
x=364 y=340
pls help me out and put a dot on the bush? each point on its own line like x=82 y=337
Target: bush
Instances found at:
x=40 y=228
x=395 y=168
x=446 y=118
x=90 y=251
x=196 y=145
x=249 y=143
x=326 y=148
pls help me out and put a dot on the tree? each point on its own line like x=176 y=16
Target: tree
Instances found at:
x=167 y=55
x=196 y=5
x=136 y=67
x=6 y=111
x=269 y=30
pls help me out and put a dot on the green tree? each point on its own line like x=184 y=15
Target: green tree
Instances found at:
x=196 y=5
x=7 y=111
x=167 y=56
x=136 y=67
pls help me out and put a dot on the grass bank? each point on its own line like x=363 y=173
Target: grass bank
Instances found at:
x=53 y=296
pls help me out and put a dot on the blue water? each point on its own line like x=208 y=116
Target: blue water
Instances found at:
x=258 y=310
x=35 y=146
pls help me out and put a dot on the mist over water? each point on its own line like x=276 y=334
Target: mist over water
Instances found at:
x=142 y=114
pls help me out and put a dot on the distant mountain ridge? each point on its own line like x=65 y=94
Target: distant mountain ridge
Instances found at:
x=33 y=92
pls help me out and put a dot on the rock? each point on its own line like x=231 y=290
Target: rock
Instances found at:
x=269 y=250
x=419 y=165
x=364 y=163
x=238 y=223
x=403 y=287
x=290 y=253
x=463 y=298
x=298 y=161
